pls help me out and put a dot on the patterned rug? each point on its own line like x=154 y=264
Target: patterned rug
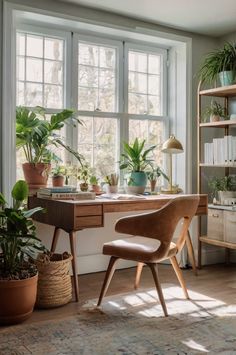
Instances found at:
x=132 y=324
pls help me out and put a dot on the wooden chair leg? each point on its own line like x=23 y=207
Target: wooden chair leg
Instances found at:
x=179 y=275
x=191 y=252
x=55 y=239
x=107 y=279
x=154 y=270
x=72 y=236
x=138 y=275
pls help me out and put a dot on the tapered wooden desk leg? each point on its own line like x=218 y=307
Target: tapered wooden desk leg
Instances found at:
x=191 y=252
x=199 y=264
x=72 y=235
x=55 y=239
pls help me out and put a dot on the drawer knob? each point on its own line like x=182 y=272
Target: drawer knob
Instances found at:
x=215 y=215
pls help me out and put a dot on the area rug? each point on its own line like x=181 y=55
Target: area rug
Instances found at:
x=132 y=324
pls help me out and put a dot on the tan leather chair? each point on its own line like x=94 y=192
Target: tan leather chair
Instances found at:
x=152 y=241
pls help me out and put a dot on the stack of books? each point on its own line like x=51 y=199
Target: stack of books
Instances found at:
x=221 y=151
x=64 y=193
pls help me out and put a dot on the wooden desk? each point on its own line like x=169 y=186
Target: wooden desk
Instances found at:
x=72 y=216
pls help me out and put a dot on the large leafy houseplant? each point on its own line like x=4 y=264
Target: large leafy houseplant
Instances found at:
x=136 y=160
x=19 y=246
x=38 y=137
x=219 y=63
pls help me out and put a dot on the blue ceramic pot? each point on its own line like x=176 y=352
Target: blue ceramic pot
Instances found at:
x=138 y=178
x=226 y=78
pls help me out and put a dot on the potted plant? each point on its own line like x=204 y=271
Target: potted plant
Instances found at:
x=215 y=112
x=58 y=175
x=19 y=245
x=153 y=176
x=37 y=136
x=221 y=64
x=225 y=187
x=84 y=173
x=111 y=182
x=94 y=183
x=135 y=160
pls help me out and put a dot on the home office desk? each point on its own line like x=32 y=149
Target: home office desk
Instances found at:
x=72 y=216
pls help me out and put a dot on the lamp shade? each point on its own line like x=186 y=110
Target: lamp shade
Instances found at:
x=172 y=146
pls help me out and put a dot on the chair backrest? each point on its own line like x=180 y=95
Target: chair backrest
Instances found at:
x=162 y=223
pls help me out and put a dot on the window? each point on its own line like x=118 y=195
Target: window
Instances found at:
x=117 y=89
x=40 y=71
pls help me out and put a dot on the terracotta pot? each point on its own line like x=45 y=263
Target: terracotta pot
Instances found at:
x=36 y=175
x=153 y=185
x=17 y=299
x=96 y=188
x=58 y=181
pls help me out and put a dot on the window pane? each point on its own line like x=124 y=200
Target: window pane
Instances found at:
x=150 y=130
x=138 y=83
x=53 y=72
x=20 y=44
x=107 y=57
x=153 y=84
x=146 y=86
x=88 y=76
x=34 y=70
x=88 y=54
x=53 y=48
x=154 y=64
x=34 y=94
x=20 y=91
x=34 y=46
x=36 y=67
x=88 y=99
x=137 y=61
x=97 y=69
x=137 y=103
x=154 y=105
x=52 y=96
x=20 y=68
x=97 y=141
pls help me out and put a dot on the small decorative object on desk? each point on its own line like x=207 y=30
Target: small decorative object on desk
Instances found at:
x=94 y=184
x=111 y=183
x=58 y=175
x=84 y=174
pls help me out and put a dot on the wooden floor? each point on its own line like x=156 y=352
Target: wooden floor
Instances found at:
x=217 y=281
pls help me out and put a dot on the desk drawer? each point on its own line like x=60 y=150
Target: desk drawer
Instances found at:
x=88 y=210
x=215 y=225
x=88 y=222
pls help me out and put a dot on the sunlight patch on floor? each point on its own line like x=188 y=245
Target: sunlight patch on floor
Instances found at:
x=195 y=346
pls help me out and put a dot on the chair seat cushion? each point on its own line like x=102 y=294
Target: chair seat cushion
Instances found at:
x=137 y=248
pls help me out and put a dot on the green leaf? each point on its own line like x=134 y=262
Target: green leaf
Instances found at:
x=20 y=190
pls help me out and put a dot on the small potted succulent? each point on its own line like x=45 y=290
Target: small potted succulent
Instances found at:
x=19 y=246
x=94 y=182
x=153 y=176
x=84 y=173
x=215 y=112
x=58 y=175
x=111 y=182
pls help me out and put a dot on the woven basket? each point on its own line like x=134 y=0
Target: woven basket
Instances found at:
x=54 y=281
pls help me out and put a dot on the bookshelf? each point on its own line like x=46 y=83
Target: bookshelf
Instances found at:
x=203 y=168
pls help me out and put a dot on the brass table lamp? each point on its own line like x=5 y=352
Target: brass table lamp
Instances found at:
x=171 y=146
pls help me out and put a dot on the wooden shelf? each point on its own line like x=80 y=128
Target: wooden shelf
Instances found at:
x=217 y=165
x=218 y=243
x=223 y=91
x=220 y=124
